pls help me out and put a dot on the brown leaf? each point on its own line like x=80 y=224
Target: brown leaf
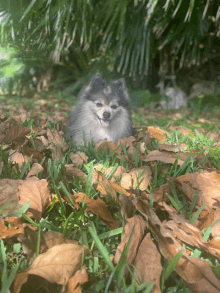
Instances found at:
x=41 y=143
x=166 y=157
x=157 y=133
x=118 y=172
x=172 y=148
x=35 y=169
x=126 y=181
x=20 y=279
x=108 y=144
x=8 y=190
x=74 y=171
x=109 y=188
x=16 y=157
x=135 y=180
x=207 y=183
x=146 y=137
x=32 y=189
x=76 y=159
x=37 y=156
x=59 y=263
x=148 y=263
x=196 y=273
x=12 y=132
x=139 y=231
x=98 y=207
x=37 y=192
x=47 y=240
x=143 y=182
x=83 y=156
x=57 y=139
x=159 y=194
x=80 y=277
x=8 y=232
x=127 y=208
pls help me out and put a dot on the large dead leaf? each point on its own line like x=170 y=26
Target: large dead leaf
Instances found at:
x=196 y=273
x=10 y=132
x=71 y=170
x=98 y=207
x=148 y=264
x=159 y=194
x=47 y=240
x=110 y=145
x=166 y=157
x=172 y=148
x=207 y=183
x=8 y=232
x=35 y=169
x=80 y=277
x=139 y=226
x=56 y=137
x=32 y=189
x=157 y=133
x=59 y=263
x=9 y=191
x=137 y=178
x=16 y=157
x=37 y=156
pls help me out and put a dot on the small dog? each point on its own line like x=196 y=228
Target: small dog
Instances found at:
x=101 y=112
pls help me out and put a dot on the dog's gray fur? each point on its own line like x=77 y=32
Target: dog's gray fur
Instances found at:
x=101 y=112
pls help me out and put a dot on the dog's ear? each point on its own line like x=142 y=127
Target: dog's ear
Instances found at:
x=97 y=83
x=120 y=85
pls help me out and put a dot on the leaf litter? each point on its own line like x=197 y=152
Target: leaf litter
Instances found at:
x=141 y=206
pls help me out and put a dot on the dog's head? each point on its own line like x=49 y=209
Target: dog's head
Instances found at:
x=106 y=101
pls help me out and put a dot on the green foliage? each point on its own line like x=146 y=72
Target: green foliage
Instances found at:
x=123 y=36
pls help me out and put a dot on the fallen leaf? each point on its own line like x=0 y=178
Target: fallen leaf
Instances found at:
x=166 y=157
x=74 y=171
x=207 y=183
x=47 y=240
x=8 y=190
x=20 y=279
x=80 y=277
x=140 y=226
x=59 y=263
x=98 y=207
x=196 y=273
x=76 y=159
x=10 y=132
x=37 y=156
x=172 y=148
x=56 y=137
x=35 y=169
x=9 y=232
x=143 y=181
x=157 y=133
x=32 y=189
x=148 y=264
x=17 y=158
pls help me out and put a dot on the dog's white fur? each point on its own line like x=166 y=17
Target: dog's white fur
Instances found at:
x=101 y=112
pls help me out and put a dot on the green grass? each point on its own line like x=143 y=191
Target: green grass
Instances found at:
x=86 y=227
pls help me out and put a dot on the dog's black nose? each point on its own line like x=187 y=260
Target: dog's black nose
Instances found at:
x=106 y=115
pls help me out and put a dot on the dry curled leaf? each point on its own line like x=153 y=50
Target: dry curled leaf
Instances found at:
x=59 y=263
x=148 y=264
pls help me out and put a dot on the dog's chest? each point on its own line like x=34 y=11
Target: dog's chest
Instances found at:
x=98 y=133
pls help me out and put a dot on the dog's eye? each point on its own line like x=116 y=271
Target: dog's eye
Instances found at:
x=99 y=105
x=114 y=106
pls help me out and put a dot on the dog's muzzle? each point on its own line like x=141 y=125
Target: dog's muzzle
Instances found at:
x=105 y=120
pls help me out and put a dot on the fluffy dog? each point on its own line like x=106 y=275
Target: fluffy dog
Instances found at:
x=101 y=112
